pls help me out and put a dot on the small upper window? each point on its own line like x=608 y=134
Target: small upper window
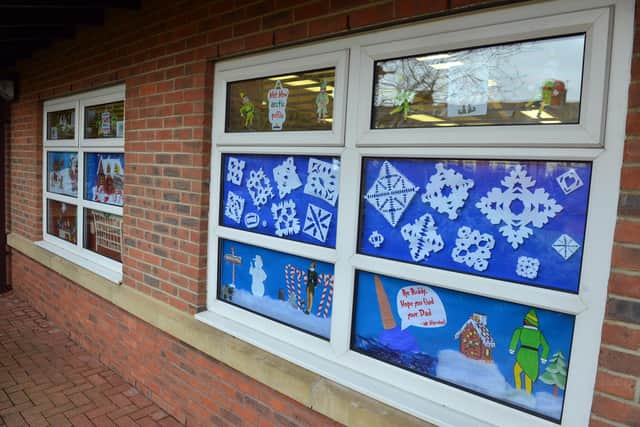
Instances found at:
x=104 y=120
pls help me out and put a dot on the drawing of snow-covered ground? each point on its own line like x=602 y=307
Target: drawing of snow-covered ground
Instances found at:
x=65 y=184
x=282 y=311
x=486 y=378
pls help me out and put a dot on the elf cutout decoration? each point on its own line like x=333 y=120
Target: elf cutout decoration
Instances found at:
x=530 y=339
x=247 y=110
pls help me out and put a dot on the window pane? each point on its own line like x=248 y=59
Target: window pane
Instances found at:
x=531 y=82
x=511 y=353
x=62 y=220
x=292 y=102
x=61 y=124
x=104 y=120
x=103 y=233
x=522 y=221
x=104 y=178
x=293 y=197
x=62 y=171
x=289 y=289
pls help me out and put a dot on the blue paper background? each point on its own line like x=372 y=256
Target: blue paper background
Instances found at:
x=502 y=319
x=302 y=200
x=274 y=267
x=554 y=271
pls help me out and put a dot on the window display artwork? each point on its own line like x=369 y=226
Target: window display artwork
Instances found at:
x=61 y=124
x=62 y=220
x=521 y=221
x=103 y=233
x=104 y=178
x=62 y=171
x=529 y=82
x=293 y=197
x=104 y=121
x=289 y=289
x=511 y=353
x=298 y=101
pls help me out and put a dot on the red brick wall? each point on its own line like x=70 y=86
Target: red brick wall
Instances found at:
x=164 y=53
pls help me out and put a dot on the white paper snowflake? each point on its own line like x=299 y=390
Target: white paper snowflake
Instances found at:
x=447 y=190
x=473 y=248
x=234 y=206
x=517 y=207
x=251 y=220
x=317 y=222
x=423 y=237
x=259 y=187
x=235 y=170
x=565 y=246
x=376 y=239
x=391 y=193
x=569 y=181
x=323 y=180
x=527 y=267
x=286 y=177
x=285 y=221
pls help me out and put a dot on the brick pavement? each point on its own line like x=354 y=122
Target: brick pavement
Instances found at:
x=46 y=379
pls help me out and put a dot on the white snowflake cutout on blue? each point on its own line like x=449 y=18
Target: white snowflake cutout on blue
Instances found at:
x=423 y=237
x=569 y=181
x=317 y=222
x=376 y=239
x=565 y=246
x=235 y=170
x=447 y=190
x=527 y=267
x=259 y=187
x=286 y=222
x=391 y=193
x=251 y=220
x=286 y=177
x=323 y=180
x=473 y=248
x=535 y=208
x=234 y=206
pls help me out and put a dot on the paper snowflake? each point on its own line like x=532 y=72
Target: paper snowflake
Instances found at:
x=234 y=206
x=447 y=190
x=517 y=207
x=376 y=239
x=251 y=220
x=527 y=267
x=259 y=187
x=235 y=170
x=285 y=221
x=391 y=193
x=317 y=222
x=569 y=181
x=323 y=180
x=423 y=237
x=473 y=248
x=286 y=177
x=565 y=246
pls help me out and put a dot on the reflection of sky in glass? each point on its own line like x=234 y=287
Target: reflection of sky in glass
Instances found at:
x=516 y=72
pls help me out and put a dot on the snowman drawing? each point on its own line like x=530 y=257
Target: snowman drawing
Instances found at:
x=258 y=276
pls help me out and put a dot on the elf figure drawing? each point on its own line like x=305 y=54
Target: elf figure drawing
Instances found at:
x=530 y=340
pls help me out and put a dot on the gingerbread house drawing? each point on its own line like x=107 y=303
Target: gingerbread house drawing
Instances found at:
x=476 y=341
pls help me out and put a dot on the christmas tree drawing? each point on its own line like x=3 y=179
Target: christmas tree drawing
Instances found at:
x=556 y=373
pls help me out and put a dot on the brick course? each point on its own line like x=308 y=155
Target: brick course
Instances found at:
x=164 y=54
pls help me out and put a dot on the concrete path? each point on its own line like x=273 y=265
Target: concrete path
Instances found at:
x=46 y=379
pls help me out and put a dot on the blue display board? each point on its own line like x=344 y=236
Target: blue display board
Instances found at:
x=521 y=221
x=62 y=172
x=511 y=353
x=104 y=178
x=290 y=289
x=293 y=197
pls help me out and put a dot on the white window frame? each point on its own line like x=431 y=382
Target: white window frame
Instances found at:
x=106 y=267
x=609 y=27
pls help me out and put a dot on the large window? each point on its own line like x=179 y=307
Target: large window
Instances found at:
x=84 y=177
x=441 y=241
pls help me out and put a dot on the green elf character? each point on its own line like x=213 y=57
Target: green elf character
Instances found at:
x=247 y=110
x=312 y=282
x=403 y=102
x=530 y=339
